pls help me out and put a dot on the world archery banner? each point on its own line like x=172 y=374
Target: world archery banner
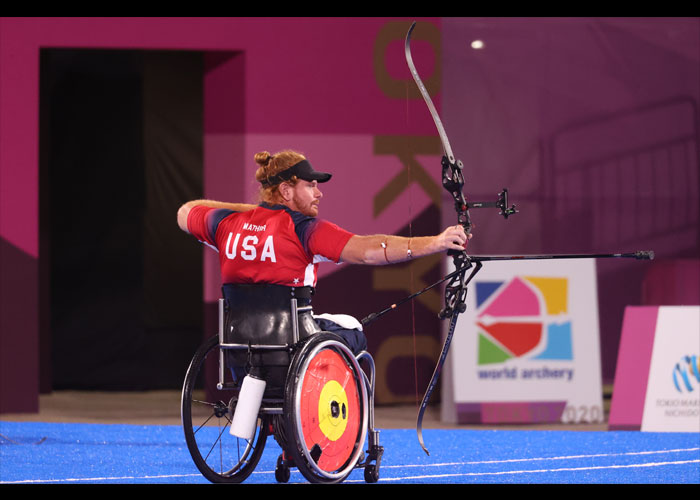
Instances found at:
x=527 y=348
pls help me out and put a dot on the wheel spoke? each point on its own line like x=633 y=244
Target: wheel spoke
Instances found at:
x=203 y=423
x=217 y=440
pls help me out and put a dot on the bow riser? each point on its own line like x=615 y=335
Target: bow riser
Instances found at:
x=453 y=182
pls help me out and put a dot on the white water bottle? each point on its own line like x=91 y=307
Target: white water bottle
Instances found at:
x=245 y=418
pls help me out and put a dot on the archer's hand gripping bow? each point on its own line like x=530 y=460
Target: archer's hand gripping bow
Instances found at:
x=457 y=281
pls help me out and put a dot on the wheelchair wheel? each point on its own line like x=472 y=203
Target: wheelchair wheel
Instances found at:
x=206 y=419
x=325 y=410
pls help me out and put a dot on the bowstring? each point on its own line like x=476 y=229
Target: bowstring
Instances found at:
x=410 y=264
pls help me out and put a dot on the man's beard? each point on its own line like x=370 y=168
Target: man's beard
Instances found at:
x=311 y=209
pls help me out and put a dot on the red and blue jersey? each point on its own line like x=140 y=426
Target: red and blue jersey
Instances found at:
x=269 y=244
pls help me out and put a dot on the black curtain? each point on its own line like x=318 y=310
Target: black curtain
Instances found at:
x=121 y=149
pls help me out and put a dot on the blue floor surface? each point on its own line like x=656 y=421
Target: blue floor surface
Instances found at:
x=52 y=453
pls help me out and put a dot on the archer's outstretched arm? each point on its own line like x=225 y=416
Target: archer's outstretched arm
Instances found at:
x=184 y=210
x=382 y=249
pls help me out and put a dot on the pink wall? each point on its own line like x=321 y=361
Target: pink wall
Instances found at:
x=325 y=86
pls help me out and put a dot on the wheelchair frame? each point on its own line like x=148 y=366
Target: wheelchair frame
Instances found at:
x=275 y=414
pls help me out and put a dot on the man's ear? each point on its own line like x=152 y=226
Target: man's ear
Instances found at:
x=285 y=191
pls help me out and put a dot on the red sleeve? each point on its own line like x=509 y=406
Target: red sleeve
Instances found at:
x=328 y=240
x=202 y=222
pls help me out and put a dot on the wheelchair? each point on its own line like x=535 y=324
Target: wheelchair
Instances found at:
x=318 y=402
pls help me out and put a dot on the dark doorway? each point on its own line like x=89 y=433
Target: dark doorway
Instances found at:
x=121 y=149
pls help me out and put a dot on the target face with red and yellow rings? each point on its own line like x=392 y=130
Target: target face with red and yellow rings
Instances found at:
x=330 y=411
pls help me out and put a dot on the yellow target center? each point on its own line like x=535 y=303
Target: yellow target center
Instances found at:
x=333 y=410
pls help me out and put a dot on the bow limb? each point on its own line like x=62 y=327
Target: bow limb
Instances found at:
x=426 y=96
x=433 y=382
x=455 y=303
x=452 y=177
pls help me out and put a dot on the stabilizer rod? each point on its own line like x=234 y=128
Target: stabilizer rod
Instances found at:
x=639 y=255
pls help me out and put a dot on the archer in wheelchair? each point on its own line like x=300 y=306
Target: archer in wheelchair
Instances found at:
x=274 y=368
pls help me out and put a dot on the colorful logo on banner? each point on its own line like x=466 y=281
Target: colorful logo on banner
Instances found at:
x=686 y=374
x=524 y=318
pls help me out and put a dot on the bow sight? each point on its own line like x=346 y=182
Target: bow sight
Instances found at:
x=501 y=202
x=453 y=181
